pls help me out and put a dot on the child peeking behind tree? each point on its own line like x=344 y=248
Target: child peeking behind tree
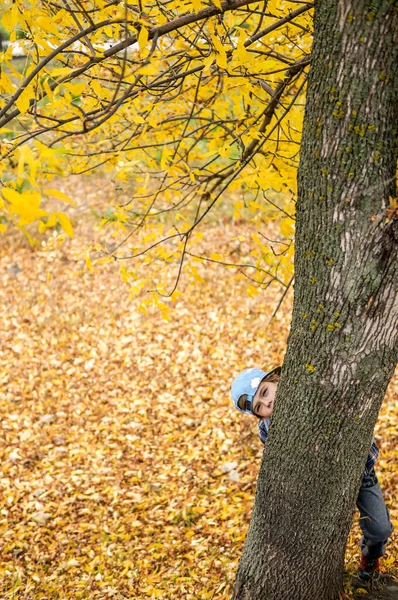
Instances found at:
x=253 y=392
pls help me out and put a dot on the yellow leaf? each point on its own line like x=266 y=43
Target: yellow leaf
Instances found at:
x=25 y=157
x=252 y=290
x=75 y=88
x=208 y=62
x=196 y=5
x=206 y=594
x=121 y=216
x=124 y=274
x=60 y=72
x=287 y=227
x=10 y=18
x=51 y=222
x=60 y=195
x=48 y=90
x=25 y=205
x=87 y=259
x=221 y=55
x=239 y=204
x=148 y=70
x=65 y=223
x=7 y=57
x=23 y=101
x=43 y=44
x=97 y=87
x=241 y=53
x=164 y=161
x=143 y=37
x=104 y=260
x=11 y=195
x=155 y=592
x=47 y=24
x=196 y=274
x=6 y=85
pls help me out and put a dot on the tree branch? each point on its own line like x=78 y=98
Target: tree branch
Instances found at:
x=277 y=24
x=185 y=19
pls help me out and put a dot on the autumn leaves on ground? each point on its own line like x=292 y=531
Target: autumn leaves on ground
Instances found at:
x=124 y=471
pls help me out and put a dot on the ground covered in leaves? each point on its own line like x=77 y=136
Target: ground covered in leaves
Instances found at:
x=124 y=473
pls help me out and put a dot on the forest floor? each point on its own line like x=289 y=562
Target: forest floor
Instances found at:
x=124 y=473
x=386 y=590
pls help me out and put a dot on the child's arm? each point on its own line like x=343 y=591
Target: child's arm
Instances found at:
x=263 y=425
x=372 y=456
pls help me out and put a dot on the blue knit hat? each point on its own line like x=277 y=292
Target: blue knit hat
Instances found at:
x=246 y=385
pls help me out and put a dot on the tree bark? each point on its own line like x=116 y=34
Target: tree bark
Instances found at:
x=343 y=345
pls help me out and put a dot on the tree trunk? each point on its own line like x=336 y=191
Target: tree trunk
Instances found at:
x=343 y=345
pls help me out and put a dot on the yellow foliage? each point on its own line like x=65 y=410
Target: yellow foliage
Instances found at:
x=25 y=205
x=179 y=120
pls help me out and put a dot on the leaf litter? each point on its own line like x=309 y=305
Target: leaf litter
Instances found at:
x=124 y=471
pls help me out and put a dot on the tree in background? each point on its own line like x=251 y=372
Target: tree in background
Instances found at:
x=185 y=101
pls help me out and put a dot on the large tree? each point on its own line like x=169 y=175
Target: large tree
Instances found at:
x=212 y=99
x=343 y=345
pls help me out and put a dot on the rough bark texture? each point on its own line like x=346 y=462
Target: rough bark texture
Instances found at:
x=343 y=345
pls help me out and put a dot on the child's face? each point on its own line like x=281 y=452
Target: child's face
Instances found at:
x=263 y=401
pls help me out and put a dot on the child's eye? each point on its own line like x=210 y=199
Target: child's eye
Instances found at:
x=265 y=390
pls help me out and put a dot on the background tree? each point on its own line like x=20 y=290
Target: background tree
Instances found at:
x=206 y=104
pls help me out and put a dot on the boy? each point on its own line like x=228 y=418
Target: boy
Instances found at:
x=253 y=392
